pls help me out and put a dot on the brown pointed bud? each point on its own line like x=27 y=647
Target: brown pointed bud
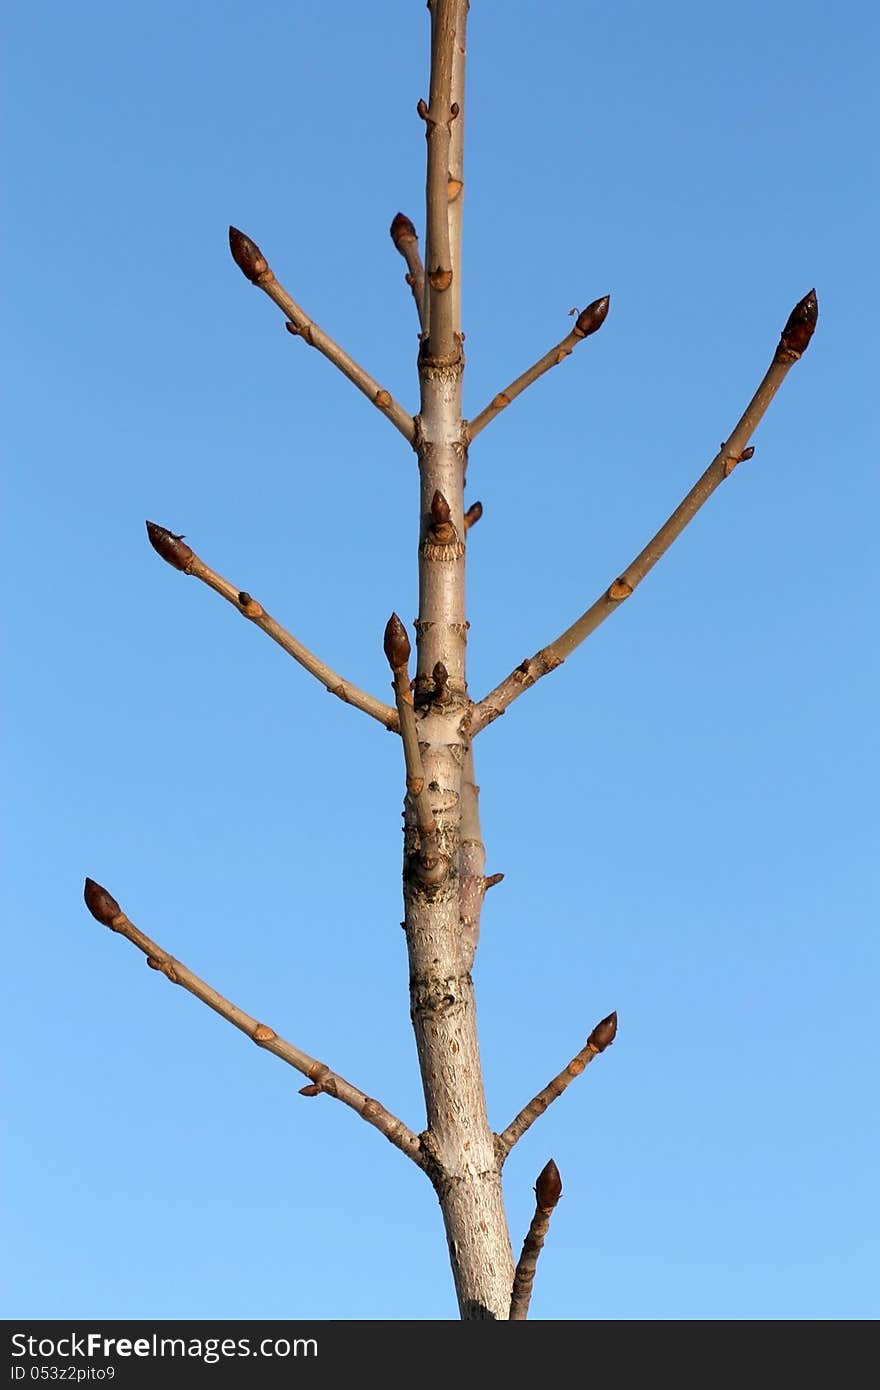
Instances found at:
x=747 y=454
x=491 y=880
x=441 y=681
x=604 y=1033
x=402 y=230
x=590 y=320
x=101 y=905
x=396 y=643
x=798 y=331
x=172 y=548
x=548 y=1188
x=472 y=515
x=310 y=1090
x=247 y=255
x=440 y=512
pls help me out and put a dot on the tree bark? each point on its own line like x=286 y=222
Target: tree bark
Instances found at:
x=458 y=1142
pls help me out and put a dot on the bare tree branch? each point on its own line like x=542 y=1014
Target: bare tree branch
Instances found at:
x=179 y=555
x=254 y=266
x=548 y=1190
x=433 y=868
x=602 y=1036
x=589 y=321
x=793 y=343
x=106 y=909
x=438 y=115
x=406 y=239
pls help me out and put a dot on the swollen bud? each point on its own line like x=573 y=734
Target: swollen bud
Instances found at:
x=548 y=1188
x=604 y=1033
x=402 y=230
x=590 y=320
x=396 y=643
x=101 y=905
x=440 y=511
x=247 y=255
x=801 y=324
x=472 y=515
x=172 y=548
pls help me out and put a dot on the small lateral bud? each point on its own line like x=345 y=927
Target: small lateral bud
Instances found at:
x=172 y=548
x=472 y=515
x=441 y=680
x=104 y=908
x=604 y=1033
x=590 y=320
x=491 y=880
x=440 y=512
x=396 y=643
x=548 y=1188
x=747 y=454
x=801 y=324
x=310 y=1090
x=247 y=255
x=402 y=230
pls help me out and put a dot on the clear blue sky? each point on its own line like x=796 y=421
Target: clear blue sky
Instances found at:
x=686 y=812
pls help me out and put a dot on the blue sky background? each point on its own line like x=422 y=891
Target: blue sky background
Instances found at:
x=686 y=812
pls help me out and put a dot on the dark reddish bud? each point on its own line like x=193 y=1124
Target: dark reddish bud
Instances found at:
x=548 y=1188
x=396 y=643
x=491 y=880
x=472 y=515
x=590 y=320
x=402 y=230
x=172 y=548
x=310 y=1090
x=798 y=331
x=747 y=454
x=604 y=1033
x=247 y=255
x=103 y=908
x=441 y=679
x=440 y=513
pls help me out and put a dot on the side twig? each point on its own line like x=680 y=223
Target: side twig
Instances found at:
x=602 y=1036
x=432 y=867
x=548 y=1190
x=406 y=239
x=793 y=343
x=588 y=321
x=178 y=554
x=254 y=266
x=106 y=909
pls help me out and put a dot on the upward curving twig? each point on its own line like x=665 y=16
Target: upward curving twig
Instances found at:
x=792 y=345
x=254 y=266
x=602 y=1036
x=180 y=556
x=588 y=322
x=548 y=1190
x=106 y=910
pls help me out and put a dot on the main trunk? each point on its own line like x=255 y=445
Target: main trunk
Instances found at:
x=458 y=1140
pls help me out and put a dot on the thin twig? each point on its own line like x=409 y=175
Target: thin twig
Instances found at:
x=602 y=1036
x=589 y=321
x=548 y=1190
x=254 y=266
x=793 y=343
x=397 y=649
x=178 y=554
x=438 y=115
x=406 y=239
x=106 y=909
